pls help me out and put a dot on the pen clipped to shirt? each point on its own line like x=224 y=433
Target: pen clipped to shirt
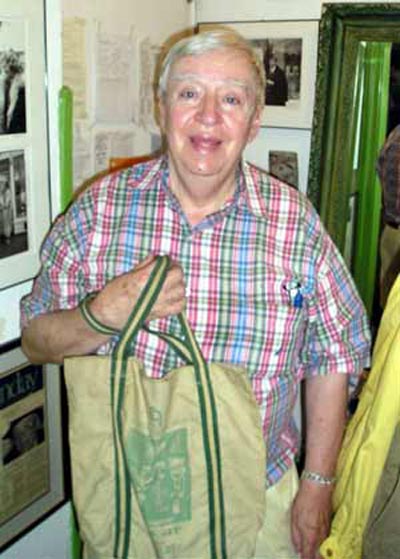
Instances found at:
x=294 y=291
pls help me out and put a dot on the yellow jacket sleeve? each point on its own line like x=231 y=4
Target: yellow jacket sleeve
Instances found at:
x=367 y=440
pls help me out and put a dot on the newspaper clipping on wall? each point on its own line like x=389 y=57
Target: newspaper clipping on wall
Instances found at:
x=24 y=452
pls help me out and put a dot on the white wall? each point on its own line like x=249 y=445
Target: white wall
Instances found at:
x=48 y=540
x=153 y=19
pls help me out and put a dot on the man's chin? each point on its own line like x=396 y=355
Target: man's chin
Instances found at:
x=204 y=168
x=204 y=171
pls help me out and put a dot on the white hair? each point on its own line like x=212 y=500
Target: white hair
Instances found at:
x=209 y=41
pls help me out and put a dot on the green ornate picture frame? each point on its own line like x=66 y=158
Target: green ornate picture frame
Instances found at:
x=342 y=28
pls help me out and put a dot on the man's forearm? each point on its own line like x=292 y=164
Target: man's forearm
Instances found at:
x=326 y=400
x=51 y=337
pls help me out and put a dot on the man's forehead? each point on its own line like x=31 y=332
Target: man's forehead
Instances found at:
x=218 y=65
x=215 y=78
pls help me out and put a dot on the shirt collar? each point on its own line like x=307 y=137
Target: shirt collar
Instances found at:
x=255 y=190
x=248 y=194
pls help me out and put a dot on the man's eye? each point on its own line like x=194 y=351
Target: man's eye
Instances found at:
x=232 y=100
x=187 y=94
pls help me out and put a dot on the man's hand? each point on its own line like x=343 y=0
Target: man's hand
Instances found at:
x=311 y=518
x=113 y=305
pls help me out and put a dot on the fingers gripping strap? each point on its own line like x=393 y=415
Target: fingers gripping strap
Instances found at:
x=190 y=351
x=143 y=306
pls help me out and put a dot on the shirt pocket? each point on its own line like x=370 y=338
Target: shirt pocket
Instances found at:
x=282 y=308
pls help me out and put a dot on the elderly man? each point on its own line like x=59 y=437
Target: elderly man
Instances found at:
x=262 y=284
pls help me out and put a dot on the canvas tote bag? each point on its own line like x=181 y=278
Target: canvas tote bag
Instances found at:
x=164 y=468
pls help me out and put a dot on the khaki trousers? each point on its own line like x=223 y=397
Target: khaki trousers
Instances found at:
x=274 y=539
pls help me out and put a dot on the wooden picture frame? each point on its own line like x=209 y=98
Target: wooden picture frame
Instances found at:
x=31 y=447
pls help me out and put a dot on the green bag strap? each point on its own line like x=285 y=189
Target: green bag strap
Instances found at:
x=179 y=346
x=211 y=444
x=190 y=350
x=143 y=306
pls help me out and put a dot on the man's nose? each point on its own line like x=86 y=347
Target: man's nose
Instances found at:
x=209 y=110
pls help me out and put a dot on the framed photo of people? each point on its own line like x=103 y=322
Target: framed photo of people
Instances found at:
x=284 y=153
x=288 y=50
x=24 y=166
x=31 y=465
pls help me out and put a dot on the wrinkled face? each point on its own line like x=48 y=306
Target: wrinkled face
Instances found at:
x=208 y=113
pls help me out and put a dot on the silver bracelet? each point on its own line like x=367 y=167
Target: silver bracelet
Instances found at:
x=317 y=478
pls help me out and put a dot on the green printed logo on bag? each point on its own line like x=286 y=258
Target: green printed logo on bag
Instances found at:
x=160 y=471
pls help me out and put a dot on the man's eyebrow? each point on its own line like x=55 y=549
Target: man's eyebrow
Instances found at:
x=196 y=77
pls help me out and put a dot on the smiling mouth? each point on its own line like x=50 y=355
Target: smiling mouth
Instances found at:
x=205 y=143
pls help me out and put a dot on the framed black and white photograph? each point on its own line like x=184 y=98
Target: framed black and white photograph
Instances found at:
x=283 y=153
x=12 y=77
x=288 y=51
x=31 y=461
x=284 y=165
x=24 y=165
x=13 y=209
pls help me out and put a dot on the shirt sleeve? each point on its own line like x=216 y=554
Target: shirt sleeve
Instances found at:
x=338 y=334
x=60 y=282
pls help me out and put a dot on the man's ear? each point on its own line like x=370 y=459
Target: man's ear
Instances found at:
x=255 y=125
x=161 y=112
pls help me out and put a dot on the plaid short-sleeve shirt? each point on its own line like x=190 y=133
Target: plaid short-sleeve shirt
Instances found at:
x=266 y=287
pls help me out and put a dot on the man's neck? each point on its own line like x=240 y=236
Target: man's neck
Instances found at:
x=202 y=197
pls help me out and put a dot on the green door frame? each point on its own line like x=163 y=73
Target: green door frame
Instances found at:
x=375 y=69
